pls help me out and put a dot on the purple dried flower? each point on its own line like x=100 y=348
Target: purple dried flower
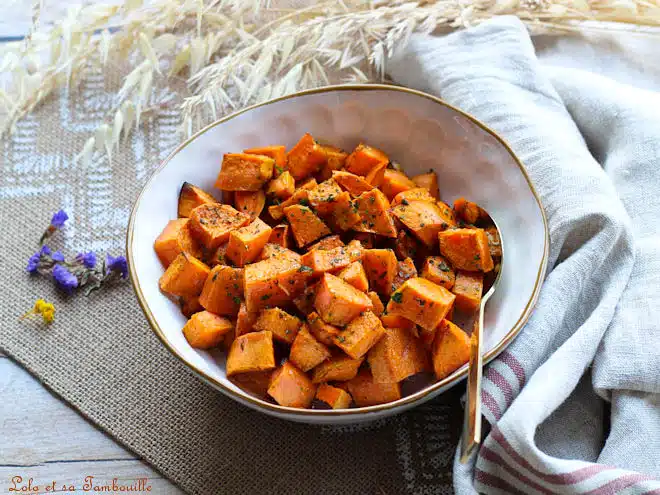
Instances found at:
x=117 y=264
x=58 y=219
x=88 y=259
x=65 y=280
x=58 y=256
x=33 y=263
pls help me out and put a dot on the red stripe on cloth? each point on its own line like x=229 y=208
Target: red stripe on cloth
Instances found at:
x=556 y=479
x=493 y=481
x=507 y=358
x=498 y=379
x=617 y=484
x=490 y=402
x=495 y=458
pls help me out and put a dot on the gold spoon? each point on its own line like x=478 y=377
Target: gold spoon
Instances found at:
x=472 y=423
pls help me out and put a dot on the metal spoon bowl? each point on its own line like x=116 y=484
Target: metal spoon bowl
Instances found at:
x=472 y=422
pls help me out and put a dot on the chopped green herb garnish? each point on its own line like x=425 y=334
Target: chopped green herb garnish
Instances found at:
x=237 y=300
x=404 y=202
x=265 y=297
x=397 y=297
x=305 y=269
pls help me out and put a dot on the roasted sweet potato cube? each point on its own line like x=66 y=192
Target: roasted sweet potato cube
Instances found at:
x=327 y=243
x=255 y=383
x=218 y=257
x=367 y=392
x=416 y=194
x=334 y=259
x=322 y=331
x=335 y=160
x=395 y=182
x=175 y=239
x=378 y=308
x=351 y=183
x=366 y=159
x=276 y=211
x=184 y=277
x=373 y=208
x=276 y=251
x=376 y=176
x=360 y=335
x=244 y=172
x=305 y=158
x=245 y=320
x=306 y=351
x=250 y=202
x=466 y=249
x=345 y=213
x=422 y=302
x=284 y=326
x=397 y=355
x=190 y=197
x=304 y=301
x=282 y=187
x=437 y=270
x=339 y=368
x=468 y=290
x=253 y=351
x=335 y=397
x=423 y=218
x=212 y=223
x=428 y=181
x=190 y=305
x=338 y=302
x=205 y=330
x=291 y=387
x=447 y=212
x=262 y=288
x=276 y=152
x=466 y=210
x=323 y=197
x=451 y=349
x=404 y=270
x=396 y=321
x=408 y=247
x=280 y=235
x=494 y=242
x=305 y=225
x=246 y=243
x=381 y=268
x=223 y=290
x=355 y=275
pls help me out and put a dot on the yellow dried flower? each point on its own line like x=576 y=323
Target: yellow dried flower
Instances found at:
x=43 y=308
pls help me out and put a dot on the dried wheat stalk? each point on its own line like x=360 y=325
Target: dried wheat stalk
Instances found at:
x=229 y=53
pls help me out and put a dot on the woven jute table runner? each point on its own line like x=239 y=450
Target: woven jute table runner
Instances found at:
x=102 y=358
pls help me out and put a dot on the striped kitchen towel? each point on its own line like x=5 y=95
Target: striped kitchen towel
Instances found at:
x=592 y=149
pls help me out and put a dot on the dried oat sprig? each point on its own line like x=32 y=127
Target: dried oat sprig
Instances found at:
x=230 y=53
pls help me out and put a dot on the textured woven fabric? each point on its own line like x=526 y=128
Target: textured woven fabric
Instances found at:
x=102 y=358
x=591 y=147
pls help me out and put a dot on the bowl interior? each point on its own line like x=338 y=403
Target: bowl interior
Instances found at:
x=419 y=132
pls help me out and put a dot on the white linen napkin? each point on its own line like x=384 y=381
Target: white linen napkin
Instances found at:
x=592 y=149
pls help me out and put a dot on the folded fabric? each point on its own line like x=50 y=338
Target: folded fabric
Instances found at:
x=592 y=149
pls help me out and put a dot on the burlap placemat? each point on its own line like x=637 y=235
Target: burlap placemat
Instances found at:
x=102 y=358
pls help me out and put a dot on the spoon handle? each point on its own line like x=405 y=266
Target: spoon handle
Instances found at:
x=472 y=422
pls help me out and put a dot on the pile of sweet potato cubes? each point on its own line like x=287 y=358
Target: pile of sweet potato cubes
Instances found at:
x=326 y=275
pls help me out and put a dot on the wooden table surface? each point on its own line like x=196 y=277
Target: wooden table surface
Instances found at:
x=44 y=439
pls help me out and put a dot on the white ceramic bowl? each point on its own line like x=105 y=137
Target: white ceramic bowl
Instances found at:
x=419 y=131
